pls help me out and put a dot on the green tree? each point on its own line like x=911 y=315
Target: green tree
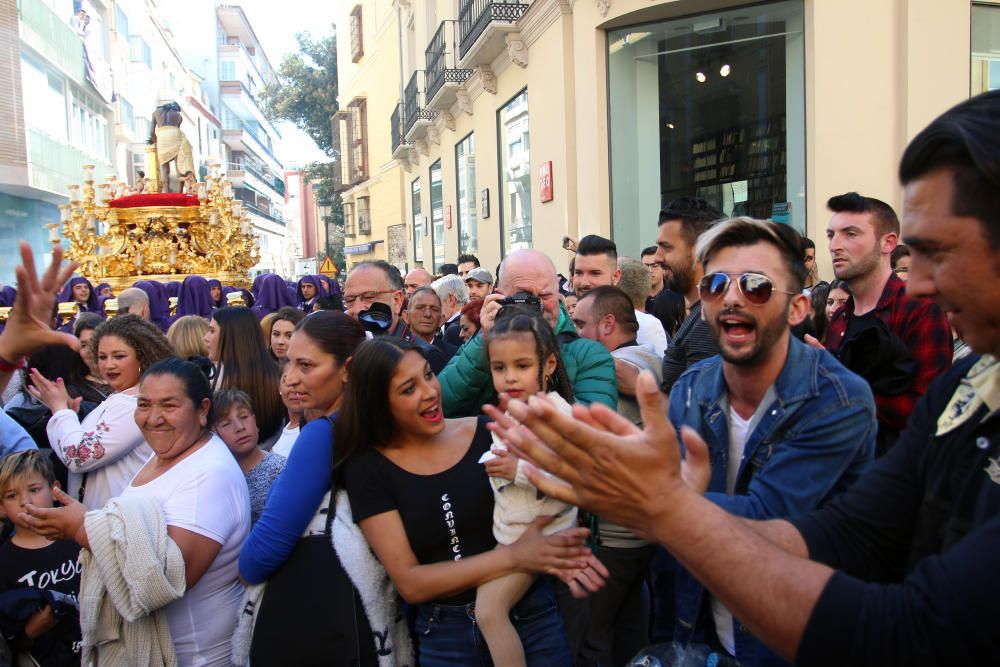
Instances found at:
x=304 y=92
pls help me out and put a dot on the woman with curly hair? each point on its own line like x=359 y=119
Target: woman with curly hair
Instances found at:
x=106 y=449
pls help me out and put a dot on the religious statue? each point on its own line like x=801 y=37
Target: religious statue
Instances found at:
x=171 y=144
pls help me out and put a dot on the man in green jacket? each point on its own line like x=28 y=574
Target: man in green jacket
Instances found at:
x=466 y=383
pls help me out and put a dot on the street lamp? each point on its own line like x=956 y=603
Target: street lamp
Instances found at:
x=325 y=209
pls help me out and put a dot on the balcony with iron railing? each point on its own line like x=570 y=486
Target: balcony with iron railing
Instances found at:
x=482 y=25
x=397 y=120
x=442 y=74
x=416 y=118
x=270 y=181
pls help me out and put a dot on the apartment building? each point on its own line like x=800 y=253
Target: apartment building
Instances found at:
x=517 y=123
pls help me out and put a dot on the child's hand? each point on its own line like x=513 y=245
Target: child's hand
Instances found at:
x=504 y=465
x=40 y=622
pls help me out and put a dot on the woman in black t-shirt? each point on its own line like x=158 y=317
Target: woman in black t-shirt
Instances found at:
x=425 y=506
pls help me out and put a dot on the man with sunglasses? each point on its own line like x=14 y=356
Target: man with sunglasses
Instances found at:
x=901 y=568
x=787 y=426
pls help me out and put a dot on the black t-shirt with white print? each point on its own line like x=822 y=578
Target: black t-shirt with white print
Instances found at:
x=447 y=516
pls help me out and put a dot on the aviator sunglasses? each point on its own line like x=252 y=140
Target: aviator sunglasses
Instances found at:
x=755 y=287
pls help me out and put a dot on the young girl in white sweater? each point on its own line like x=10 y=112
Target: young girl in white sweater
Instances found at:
x=523 y=357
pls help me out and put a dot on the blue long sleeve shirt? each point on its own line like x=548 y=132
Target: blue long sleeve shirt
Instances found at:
x=291 y=504
x=13 y=437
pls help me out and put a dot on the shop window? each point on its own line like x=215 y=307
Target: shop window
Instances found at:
x=437 y=215
x=515 y=173
x=417 y=221
x=985 y=48
x=465 y=169
x=710 y=106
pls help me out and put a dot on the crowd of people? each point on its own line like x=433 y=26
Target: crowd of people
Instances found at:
x=703 y=455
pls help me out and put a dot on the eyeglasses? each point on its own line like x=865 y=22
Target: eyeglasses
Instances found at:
x=755 y=287
x=365 y=297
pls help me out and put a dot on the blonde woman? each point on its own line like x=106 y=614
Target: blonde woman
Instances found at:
x=187 y=335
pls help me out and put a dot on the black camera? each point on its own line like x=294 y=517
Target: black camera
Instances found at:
x=377 y=319
x=523 y=299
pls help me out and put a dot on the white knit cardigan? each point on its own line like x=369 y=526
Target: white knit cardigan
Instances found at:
x=132 y=571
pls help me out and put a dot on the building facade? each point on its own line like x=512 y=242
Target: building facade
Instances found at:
x=56 y=115
x=515 y=124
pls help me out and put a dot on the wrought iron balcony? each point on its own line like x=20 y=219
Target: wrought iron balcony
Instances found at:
x=476 y=17
x=411 y=103
x=416 y=118
x=399 y=145
x=442 y=73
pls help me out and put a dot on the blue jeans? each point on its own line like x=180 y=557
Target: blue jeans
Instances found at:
x=447 y=635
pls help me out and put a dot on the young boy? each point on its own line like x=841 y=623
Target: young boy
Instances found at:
x=31 y=564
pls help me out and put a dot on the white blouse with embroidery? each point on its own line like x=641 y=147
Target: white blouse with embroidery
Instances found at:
x=107 y=447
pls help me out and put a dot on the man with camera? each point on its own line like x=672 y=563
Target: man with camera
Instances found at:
x=373 y=295
x=528 y=277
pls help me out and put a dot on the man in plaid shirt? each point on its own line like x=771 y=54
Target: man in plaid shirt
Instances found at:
x=863 y=233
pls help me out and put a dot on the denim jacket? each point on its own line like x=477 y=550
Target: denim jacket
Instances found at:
x=814 y=439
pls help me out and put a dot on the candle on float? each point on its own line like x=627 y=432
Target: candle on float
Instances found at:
x=227 y=189
x=91 y=223
x=213 y=217
x=88 y=172
x=245 y=226
x=54 y=233
x=138 y=261
x=63 y=212
x=202 y=191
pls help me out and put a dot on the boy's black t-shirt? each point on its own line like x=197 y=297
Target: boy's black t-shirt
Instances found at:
x=54 y=568
x=447 y=516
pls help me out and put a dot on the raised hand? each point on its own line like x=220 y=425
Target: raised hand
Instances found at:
x=52 y=394
x=28 y=327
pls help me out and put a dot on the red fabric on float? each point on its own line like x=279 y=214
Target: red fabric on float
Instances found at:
x=155 y=199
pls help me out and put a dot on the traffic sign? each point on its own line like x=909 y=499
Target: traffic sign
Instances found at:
x=328 y=269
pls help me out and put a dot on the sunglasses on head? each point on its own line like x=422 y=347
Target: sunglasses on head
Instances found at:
x=755 y=287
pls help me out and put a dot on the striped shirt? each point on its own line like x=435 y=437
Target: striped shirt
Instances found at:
x=694 y=341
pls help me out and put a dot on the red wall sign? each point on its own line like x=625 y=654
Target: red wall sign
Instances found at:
x=545 y=181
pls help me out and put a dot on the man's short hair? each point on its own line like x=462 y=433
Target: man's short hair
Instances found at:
x=451 y=285
x=740 y=232
x=608 y=300
x=886 y=220
x=463 y=258
x=592 y=244
x=391 y=272
x=417 y=292
x=131 y=300
x=695 y=215
x=449 y=269
x=965 y=140
x=16 y=465
x=807 y=244
x=634 y=280
x=647 y=251
x=899 y=252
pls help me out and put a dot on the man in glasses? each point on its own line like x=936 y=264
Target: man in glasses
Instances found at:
x=787 y=426
x=466 y=383
x=665 y=304
x=680 y=225
x=896 y=342
x=373 y=292
x=900 y=569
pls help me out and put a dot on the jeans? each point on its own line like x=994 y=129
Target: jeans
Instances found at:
x=447 y=635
